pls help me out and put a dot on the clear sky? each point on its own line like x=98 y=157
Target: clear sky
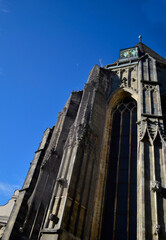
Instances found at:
x=47 y=49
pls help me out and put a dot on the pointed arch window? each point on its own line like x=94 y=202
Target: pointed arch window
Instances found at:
x=120 y=208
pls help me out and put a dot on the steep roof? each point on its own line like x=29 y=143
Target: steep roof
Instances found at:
x=145 y=49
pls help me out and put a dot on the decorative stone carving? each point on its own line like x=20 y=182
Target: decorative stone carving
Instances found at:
x=62 y=181
x=156 y=186
x=127 y=79
x=151 y=128
x=53 y=218
x=156 y=229
x=142 y=127
x=149 y=87
x=124 y=82
x=161 y=129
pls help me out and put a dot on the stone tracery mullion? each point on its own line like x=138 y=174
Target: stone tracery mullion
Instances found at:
x=117 y=180
x=155 y=194
x=153 y=127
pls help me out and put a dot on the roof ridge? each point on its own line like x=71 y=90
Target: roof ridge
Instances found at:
x=145 y=49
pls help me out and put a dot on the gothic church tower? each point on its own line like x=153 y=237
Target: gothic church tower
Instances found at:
x=100 y=172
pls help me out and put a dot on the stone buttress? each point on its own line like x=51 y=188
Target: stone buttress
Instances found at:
x=74 y=188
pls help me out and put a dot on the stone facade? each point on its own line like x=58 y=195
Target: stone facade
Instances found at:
x=99 y=173
x=5 y=212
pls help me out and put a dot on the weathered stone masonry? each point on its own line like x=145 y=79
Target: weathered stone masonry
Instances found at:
x=100 y=172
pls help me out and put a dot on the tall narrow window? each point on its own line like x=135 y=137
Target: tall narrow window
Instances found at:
x=120 y=209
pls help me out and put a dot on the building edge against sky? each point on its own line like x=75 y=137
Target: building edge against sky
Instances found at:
x=99 y=173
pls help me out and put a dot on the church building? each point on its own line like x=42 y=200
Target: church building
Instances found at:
x=100 y=172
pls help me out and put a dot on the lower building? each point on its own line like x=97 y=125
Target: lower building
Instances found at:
x=5 y=212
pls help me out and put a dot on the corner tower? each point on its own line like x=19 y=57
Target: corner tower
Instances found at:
x=99 y=173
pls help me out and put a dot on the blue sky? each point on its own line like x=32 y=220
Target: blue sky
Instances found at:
x=47 y=49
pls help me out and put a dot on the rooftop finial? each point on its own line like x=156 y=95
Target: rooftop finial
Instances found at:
x=140 y=38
